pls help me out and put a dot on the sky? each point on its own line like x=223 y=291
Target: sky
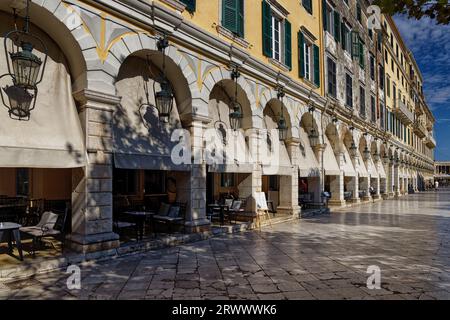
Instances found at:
x=430 y=44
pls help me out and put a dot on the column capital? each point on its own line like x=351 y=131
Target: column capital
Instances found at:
x=96 y=100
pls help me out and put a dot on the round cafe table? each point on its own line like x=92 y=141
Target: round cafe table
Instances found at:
x=10 y=230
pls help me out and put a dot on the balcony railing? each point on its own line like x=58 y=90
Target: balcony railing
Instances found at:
x=420 y=129
x=404 y=114
x=430 y=141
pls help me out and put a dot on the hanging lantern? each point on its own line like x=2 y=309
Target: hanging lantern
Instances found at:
x=376 y=156
x=353 y=150
x=282 y=126
x=236 y=114
x=313 y=138
x=25 y=69
x=386 y=159
x=366 y=154
x=164 y=97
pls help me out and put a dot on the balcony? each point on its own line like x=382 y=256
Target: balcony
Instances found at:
x=420 y=129
x=430 y=141
x=403 y=113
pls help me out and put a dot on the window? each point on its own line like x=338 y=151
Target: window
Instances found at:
x=22 y=182
x=125 y=181
x=382 y=112
x=154 y=182
x=372 y=67
x=388 y=86
x=359 y=13
x=331 y=67
x=309 y=60
x=227 y=180
x=233 y=16
x=361 y=54
x=348 y=90
x=307 y=4
x=373 y=110
x=381 y=76
x=346 y=38
x=394 y=94
x=276 y=38
x=277 y=43
x=362 y=102
x=190 y=5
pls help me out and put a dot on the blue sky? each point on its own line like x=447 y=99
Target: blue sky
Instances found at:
x=430 y=44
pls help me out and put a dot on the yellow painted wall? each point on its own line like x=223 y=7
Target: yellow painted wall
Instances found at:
x=208 y=16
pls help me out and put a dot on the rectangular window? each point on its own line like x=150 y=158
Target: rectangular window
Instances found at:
x=22 y=182
x=307 y=4
x=362 y=102
x=307 y=49
x=359 y=13
x=373 y=111
x=372 y=67
x=346 y=38
x=388 y=86
x=381 y=76
x=276 y=38
x=348 y=90
x=190 y=5
x=331 y=67
x=382 y=120
x=125 y=181
x=329 y=18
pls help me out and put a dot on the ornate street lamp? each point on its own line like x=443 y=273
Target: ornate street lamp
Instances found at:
x=282 y=126
x=353 y=150
x=236 y=108
x=25 y=69
x=313 y=136
x=164 y=97
x=376 y=156
x=366 y=154
x=385 y=159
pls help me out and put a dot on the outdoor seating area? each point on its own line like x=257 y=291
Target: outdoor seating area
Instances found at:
x=28 y=226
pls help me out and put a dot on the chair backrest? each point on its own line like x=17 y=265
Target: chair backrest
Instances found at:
x=236 y=205
x=61 y=222
x=183 y=206
x=228 y=202
x=48 y=220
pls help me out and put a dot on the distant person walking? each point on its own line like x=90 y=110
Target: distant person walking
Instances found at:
x=436 y=185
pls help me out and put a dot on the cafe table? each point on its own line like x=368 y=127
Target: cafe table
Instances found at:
x=10 y=230
x=140 y=217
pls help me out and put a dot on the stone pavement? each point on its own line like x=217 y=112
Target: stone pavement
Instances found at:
x=324 y=257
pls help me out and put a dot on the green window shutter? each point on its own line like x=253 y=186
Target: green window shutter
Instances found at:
x=301 y=55
x=358 y=13
x=337 y=25
x=267 y=29
x=287 y=44
x=190 y=5
x=316 y=65
x=324 y=15
x=343 y=37
x=361 y=54
x=355 y=45
x=229 y=14
x=240 y=18
x=307 y=4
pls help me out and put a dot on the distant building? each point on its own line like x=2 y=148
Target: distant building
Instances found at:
x=442 y=173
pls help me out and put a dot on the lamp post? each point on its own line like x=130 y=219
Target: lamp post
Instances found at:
x=313 y=136
x=236 y=108
x=163 y=97
x=282 y=126
x=25 y=69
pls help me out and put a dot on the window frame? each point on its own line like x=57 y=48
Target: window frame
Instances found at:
x=333 y=86
x=348 y=90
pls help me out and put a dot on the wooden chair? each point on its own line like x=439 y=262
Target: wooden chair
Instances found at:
x=170 y=215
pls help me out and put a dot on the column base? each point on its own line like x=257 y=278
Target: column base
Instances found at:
x=294 y=211
x=367 y=198
x=337 y=203
x=355 y=201
x=93 y=243
x=197 y=226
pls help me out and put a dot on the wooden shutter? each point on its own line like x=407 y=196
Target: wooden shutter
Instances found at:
x=316 y=65
x=267 y=29
x=307 y=4
x=343 y=37
x=301 y=55
x=324 y=15
x=287 y=44
x=337 y=25
x=229 y=13
x=190 y=5
x=240 y=18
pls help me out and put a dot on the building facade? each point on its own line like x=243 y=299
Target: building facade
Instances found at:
x=357 y=123
x=442 y=173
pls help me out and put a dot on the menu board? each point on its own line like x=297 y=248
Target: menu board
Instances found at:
x=261 y=202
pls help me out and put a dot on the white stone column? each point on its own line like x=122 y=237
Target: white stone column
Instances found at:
x=354 y=183
x=289 y=184
x=196 y=220
x=92 y=227
x=396 y=179
x=337 y=184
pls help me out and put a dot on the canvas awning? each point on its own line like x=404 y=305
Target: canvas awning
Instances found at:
x=330 y=163
x=53 y=137
x=381 y=171
x=140 y=139
x=349 y=169
x=273 y=152
x=307 y=161
x=362 y=170
x=372 y=168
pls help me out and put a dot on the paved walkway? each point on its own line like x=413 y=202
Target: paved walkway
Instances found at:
x=321 y=258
